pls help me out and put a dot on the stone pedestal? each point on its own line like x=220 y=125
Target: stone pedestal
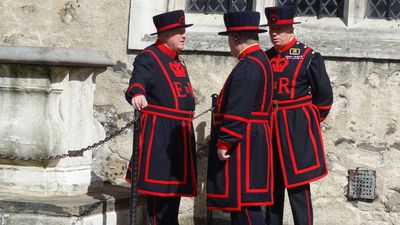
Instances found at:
x=108 y=205
x=46 y=109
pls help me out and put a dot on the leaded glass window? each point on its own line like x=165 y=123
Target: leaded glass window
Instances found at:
x=218 y=6
x=383 y=9
x=318 y=8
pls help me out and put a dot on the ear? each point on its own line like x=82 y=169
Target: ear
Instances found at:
x=237 y=38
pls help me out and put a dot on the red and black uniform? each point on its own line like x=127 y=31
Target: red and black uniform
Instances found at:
x=167 y=159
x=242 y=123
x=302 y=99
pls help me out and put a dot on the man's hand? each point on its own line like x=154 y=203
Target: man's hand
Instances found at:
x=139 y=102
x=222 y=154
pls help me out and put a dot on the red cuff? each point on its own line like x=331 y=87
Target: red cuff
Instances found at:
x=223 y=145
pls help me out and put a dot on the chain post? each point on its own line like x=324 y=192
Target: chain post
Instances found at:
x=214 y=98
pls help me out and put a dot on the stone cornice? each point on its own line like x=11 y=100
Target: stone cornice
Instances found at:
x=54 y=56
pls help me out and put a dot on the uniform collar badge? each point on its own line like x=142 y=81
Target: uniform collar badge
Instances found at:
x=294 y=51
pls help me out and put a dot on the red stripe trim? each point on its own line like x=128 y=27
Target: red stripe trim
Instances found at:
x=247 y=165
x=271 y=155
x=238 y=175
x=166 y=76
x=141 y=136
x=256 y=203
x=192 y=160
x=223 y=145
x=289 y=142
x=171 y=109
x=185 y=149
x=259 y=113
x=239 y=28
x=137 y=85
x=265 y=80
x=272 y=80
x=233 y=117
x=168 y=182
x=278 y=141
x=326 y=107
x=226 y=193
x=288 y=45
x=320 y=138
x=292 y=185
x=223 y=129
x=164 y=194
x=293 y=106
x=281 y=22
x=144 y=111
x=292 y=156
x=313 y=142
x=259 y=121
x=164 y=48
x=149 y=149
x=247 y=169
x=170 y=26
x=248 y=50
x=296 y=73
x=292 y=100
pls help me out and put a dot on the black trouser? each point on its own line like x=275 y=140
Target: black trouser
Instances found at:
x=299 y=198
x=163 y=210
x=247 y=216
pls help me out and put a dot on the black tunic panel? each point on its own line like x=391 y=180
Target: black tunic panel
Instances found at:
x=242 y=125
x=302 y=99
x=167 y=159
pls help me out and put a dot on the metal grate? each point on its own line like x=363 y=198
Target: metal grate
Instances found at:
x=318 y=8
x=383 y=9
x=218 y=6
x=362 y=185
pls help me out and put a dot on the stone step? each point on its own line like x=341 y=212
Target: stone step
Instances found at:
x=108 y=205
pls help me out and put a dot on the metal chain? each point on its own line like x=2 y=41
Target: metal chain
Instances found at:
x=90 y=209
x=76 y=153
x=203 y=113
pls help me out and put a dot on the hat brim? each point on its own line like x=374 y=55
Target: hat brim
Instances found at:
x=227 y=32
x=186 y=25
x=270 y=25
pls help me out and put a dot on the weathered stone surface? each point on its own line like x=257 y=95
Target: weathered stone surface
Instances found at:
x=361 y=111
x=107 y=205
x=48 y=111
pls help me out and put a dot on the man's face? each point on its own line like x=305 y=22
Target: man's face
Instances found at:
x=280 y=35
x=232 y=44
x=175 y=39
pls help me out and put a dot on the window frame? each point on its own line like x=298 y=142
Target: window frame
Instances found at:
x=318 y=11
x=332 y=36
x=388 y=11
x=253 y=2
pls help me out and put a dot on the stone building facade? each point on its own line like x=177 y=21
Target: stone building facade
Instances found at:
x=362 y=59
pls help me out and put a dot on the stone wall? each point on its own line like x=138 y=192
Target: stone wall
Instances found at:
x=362 y=129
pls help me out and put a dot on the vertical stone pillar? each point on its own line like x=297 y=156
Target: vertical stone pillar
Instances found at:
x=46 y=109
x=141 y=14
x=355 y=11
